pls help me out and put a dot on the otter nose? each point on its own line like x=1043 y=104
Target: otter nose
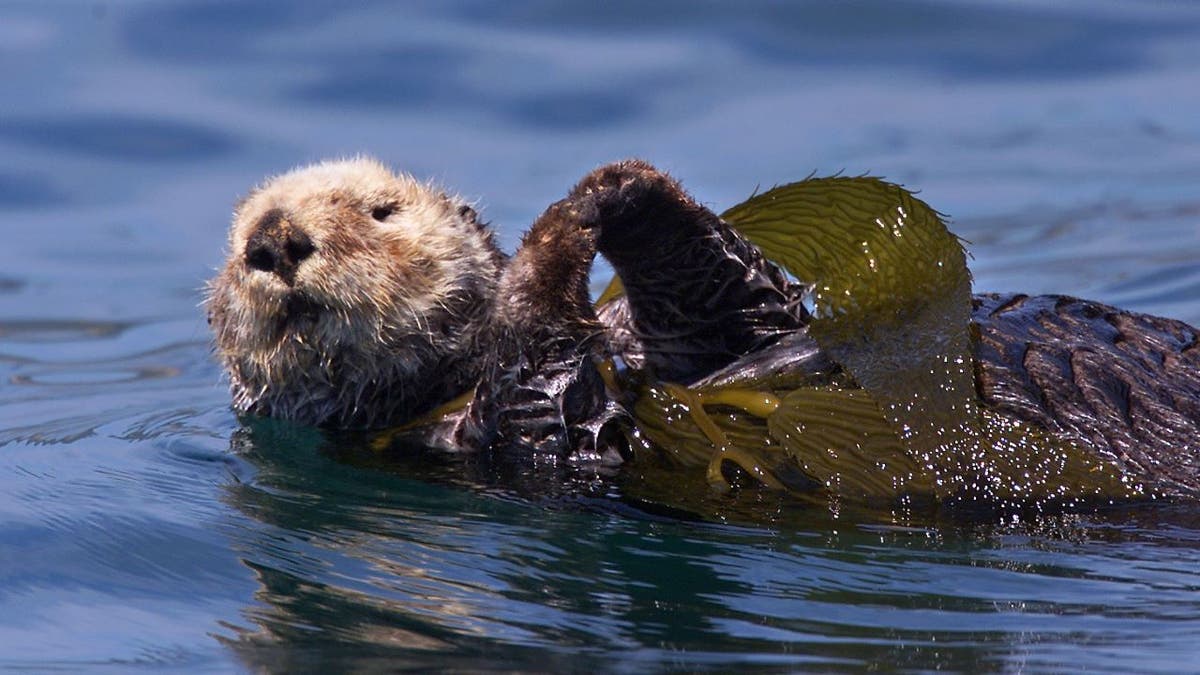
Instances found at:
x=276 y=245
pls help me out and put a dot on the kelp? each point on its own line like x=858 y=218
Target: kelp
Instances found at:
x=891 y=292
x=892 y=302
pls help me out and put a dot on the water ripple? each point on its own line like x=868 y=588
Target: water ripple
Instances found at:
x=66 y=376
x=40 y=331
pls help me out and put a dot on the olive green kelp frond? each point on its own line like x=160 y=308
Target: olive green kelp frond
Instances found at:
x=892 y=294
x=892 y=303
x=836 y=442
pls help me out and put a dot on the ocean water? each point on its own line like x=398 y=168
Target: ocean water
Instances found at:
x=143 y=527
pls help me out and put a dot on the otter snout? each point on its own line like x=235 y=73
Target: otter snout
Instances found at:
x=277 y=245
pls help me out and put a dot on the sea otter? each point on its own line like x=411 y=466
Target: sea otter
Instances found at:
x=355 y=297
x=352 y=296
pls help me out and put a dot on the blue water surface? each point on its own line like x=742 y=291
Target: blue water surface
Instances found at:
x=143 y=527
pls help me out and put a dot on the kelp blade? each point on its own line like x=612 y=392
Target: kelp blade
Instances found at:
x=892 y=295
x=841 y=439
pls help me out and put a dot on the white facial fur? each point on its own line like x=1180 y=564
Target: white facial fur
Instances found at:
x=362 y=328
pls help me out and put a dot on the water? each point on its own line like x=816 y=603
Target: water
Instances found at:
x=143 y=527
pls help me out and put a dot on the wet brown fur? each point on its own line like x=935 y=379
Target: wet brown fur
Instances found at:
x=1122 y=383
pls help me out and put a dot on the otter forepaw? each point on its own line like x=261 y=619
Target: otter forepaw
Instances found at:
x=616 y=192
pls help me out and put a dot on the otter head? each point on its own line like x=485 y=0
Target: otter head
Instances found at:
x=351 y=296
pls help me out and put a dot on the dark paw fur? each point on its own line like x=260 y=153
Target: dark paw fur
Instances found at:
x=623 y=193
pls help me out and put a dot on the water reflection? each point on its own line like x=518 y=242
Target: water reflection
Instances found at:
x=418 y=565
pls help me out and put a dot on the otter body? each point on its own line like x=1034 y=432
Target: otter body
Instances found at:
x=1124 y=384
x=354 y=297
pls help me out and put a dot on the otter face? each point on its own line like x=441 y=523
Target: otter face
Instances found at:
x=350 y=295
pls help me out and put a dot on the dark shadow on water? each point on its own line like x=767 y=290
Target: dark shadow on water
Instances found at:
x=438 y=571
x=418 y=571
x=423 y=78
x=29 y=191
x=410 y=76
x=189 y=30
x=119 y=137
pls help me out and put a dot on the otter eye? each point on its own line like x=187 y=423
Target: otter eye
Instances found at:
x=382 y=212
